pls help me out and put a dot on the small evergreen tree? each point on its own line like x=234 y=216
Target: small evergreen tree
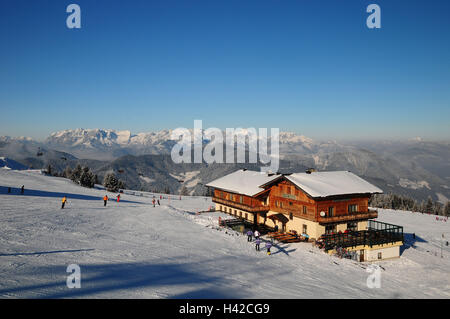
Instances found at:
x=111 y=182
x=87 y=178
x=76 y=174
x=447 y=209
x=67 y=172
x=429 y=206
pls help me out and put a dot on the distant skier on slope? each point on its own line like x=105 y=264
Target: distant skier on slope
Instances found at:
x=118 y=198
x=105 y=200
x=249 y=235
x=64 y=200
x=153 y=201
x=268 y=246
x=257 y=243
x=22 y=189
x=158 y=202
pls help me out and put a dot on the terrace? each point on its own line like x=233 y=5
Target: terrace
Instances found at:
x=377 y=233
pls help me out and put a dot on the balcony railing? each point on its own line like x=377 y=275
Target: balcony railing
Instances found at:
x=251 y=209
x=377 y=233
x=349 y=217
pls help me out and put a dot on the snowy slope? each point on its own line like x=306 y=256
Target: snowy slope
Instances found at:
x=132 y=250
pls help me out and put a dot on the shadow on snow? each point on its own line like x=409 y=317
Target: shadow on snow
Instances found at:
x=121 y=277
x=45 y=252
x=41 y=193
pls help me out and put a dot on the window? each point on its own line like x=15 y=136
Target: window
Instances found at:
x=235 y=212
x=305 y=210
x=281 y=204
x=288 y=190
x=352 y=226
x=304 y=229
x=241 y=199
x=291 y=216
x=379 y=256
x=330 y=211
x=352 y=208
x=240 y=214
x=246 y=216
x=230 y=196
x=330 y=229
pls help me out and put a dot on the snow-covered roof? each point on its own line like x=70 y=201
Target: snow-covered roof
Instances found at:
x=323 y=184
x=243 y=182
x=316 y=184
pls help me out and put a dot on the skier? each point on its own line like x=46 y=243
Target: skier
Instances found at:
x=64 y=200
x=118 y=198
x=9 y=190
x=249 y=235
x=158 y=202
x=105 y=200
x=268 y=245
x=257 y=242
x=22 y=189
x=257 y=234
x=153 y=201
x=160 y=197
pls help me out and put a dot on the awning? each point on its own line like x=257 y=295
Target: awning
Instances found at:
x=283 y=219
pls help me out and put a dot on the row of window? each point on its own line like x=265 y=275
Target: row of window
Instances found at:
x=280 y=204
x=232 y=197
x=353 y=208
x=331 y=229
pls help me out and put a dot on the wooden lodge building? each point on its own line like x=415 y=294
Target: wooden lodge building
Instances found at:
x=330 y=206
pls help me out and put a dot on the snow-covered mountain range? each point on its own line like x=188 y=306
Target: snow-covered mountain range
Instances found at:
x=415 y=167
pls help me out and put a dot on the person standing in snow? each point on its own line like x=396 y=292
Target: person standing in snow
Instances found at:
x=118 y=198
x=64 y=200
x=268 y=245
x=257 y=234
x=153 y=201
x=22 y=189
x=257 y=243
x=105 y=200
x=249 y=235
x=158 y=202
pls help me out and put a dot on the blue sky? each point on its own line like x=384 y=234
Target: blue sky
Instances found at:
x=312 y=67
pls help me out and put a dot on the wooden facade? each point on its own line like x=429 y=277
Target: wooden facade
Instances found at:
x=282 y=196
